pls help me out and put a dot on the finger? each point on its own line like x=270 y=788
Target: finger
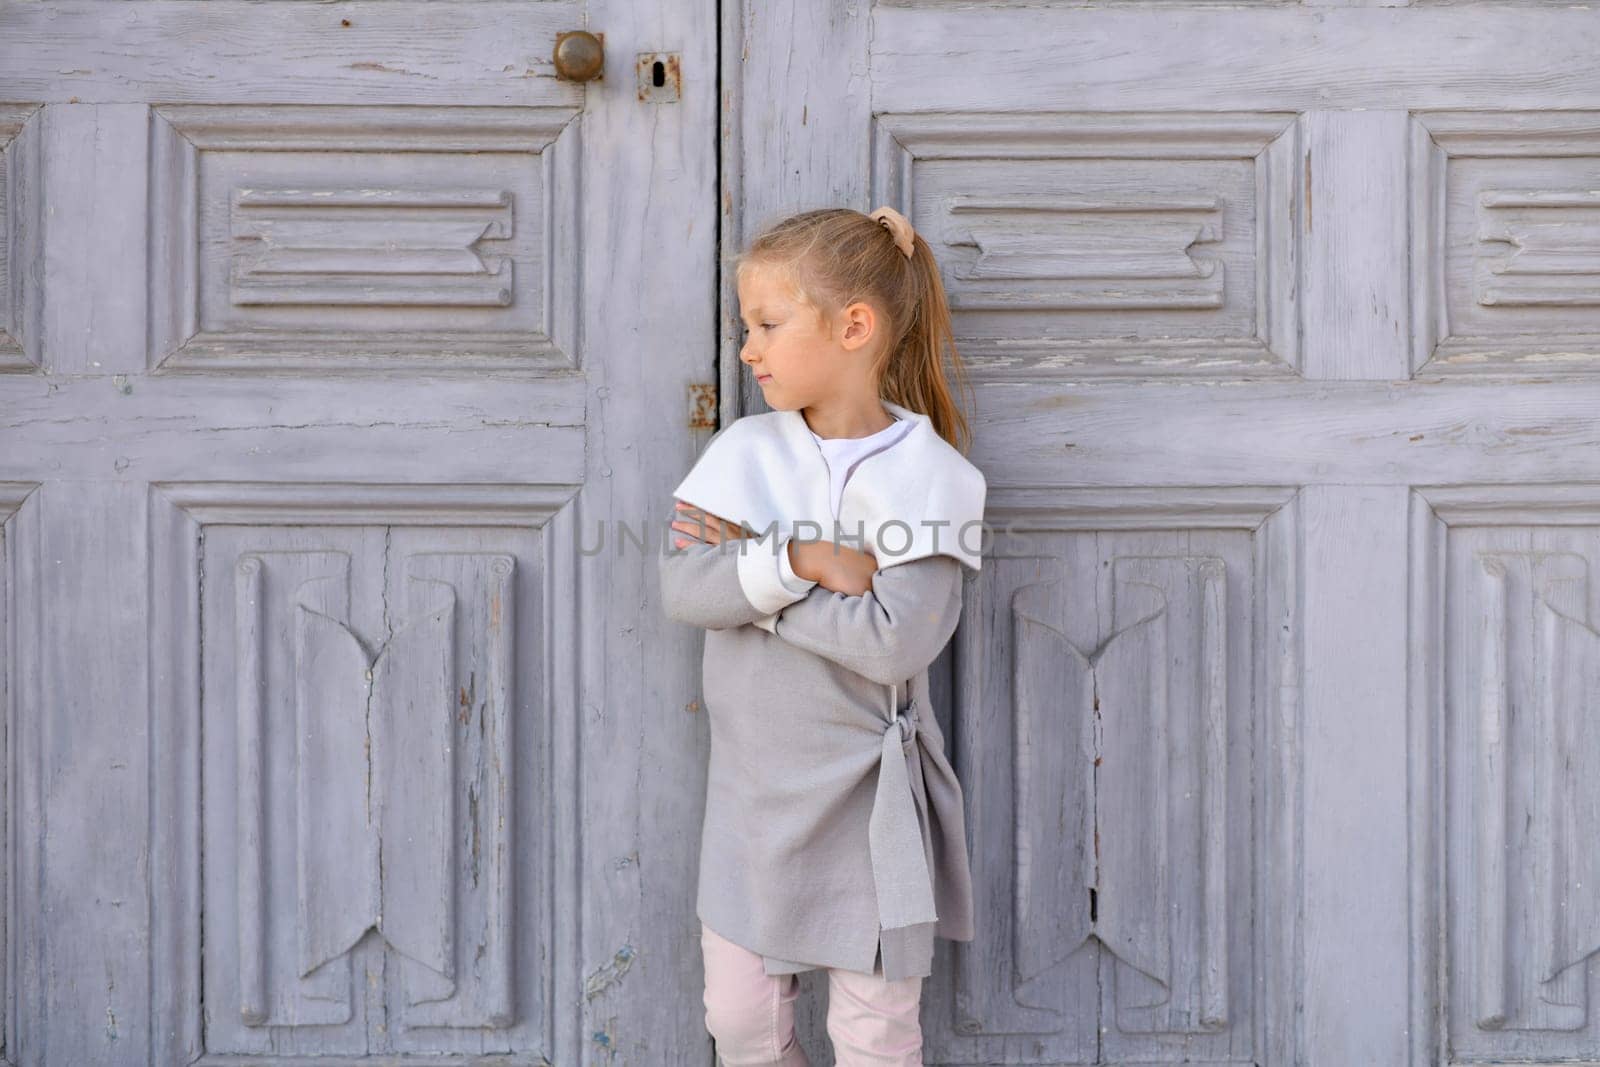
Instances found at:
x=693 y=532
x=711 y=518
x=692 y=522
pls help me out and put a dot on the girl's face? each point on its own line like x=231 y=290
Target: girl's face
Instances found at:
x=798 y=361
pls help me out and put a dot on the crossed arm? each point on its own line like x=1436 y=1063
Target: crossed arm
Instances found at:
x=887 y=634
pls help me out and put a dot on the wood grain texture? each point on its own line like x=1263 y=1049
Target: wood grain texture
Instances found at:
x=1314 y=275
x=1355 y=169
x=1341 y=358
x=94 y=159
x=82 y=891
x=1502 y=203
x=490 y=53
x=19 y=600
x=1354 y=881
x=151 y=427
x=1139 y=245
x=649 y=176
x=365 y=238
x=1366 y=432
x=1024 y=57
x=482 y=854
x=1507 y=664
x=21 y=231
x=1080 y=572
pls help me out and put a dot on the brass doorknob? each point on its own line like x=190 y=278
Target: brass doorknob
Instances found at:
x=579 y=55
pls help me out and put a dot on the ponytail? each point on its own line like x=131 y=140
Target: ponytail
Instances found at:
x=914 y=376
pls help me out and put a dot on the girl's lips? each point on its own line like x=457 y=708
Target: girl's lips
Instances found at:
x=763 y=377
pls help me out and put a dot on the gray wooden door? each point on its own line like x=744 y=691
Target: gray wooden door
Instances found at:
x=1275 y=713
x=332 y=336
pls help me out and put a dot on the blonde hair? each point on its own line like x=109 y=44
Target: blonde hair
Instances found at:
x=836 y=256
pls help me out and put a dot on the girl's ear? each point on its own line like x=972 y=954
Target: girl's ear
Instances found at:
x=860 y=321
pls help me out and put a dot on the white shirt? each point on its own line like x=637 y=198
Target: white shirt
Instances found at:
x=842 y=454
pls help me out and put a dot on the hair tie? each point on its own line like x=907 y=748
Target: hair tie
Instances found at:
x=899 y=228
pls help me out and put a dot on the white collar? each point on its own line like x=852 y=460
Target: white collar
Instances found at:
x=919 y=497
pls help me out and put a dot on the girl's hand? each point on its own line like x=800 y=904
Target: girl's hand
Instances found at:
x=702 y=526
x=833 y=566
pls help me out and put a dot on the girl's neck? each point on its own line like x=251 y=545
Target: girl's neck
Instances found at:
x=861 y=421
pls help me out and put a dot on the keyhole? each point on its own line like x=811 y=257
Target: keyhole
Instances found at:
x=1094 y=905
x=658 y=74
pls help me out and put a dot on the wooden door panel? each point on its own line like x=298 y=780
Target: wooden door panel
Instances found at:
x=322 y=328
x=374 y=701
x=1078 y=244
x=1320 y=276
x=1505 y=208
x=1512 y=604
x=1127 y=776
x=364 y=236
x=371 y=781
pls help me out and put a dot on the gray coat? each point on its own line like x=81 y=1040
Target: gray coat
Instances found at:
x=815 y=836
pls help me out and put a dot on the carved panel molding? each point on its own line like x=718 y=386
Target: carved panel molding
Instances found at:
x=1131 y=767
x=1506 y=613
x=20 y=772
x=21 y=236
x=327 y=237
x=1506 y=242
x=1105 y=245
x=372 y=678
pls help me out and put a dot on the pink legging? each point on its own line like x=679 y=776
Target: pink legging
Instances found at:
x=750 y=1013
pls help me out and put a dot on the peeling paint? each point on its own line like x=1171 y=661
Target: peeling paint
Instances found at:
x=606 y=1040
x=604 y=978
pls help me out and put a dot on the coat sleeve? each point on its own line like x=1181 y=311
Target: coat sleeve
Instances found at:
x=738 y=581
x=888 y=633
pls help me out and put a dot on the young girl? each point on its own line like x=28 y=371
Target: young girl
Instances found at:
x=834 y=834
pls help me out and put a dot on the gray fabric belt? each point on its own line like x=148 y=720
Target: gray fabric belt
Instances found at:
x=899 y=860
